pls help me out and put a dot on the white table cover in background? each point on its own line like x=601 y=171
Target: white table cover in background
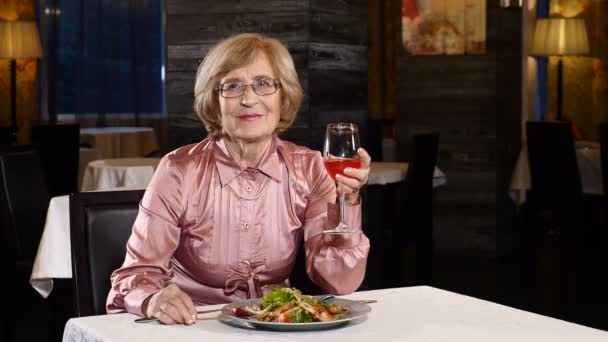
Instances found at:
x=402 y=314
x=108 y=174
x=120 y=142
x=53 y=258
x=86 y=155
x=382 y=173
x=589 y=165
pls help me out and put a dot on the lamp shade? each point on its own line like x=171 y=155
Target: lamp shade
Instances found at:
x=19 y=39
x=560 y=37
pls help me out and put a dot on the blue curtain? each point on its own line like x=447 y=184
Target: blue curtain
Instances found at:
x=110 y=56
x=542 y=11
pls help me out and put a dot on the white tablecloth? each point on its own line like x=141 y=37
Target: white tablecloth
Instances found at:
x=108 y=174
x=86 y=155
x=390 y=172
x=53 y=259
x=120 y=142
x=402 y=314
x=589 y=165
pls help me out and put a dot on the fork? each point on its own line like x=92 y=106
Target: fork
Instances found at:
x=154 y=319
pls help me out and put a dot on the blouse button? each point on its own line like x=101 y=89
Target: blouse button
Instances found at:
x=248 y=188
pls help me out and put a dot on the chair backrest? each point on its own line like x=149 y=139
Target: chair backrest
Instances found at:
x=24 y=200
x=604 y=155
x=58 y=147
x=554 y=172
x=6 y=135
x=419 y=202
x=298 y=277
x=421 y=167
x=100 y=226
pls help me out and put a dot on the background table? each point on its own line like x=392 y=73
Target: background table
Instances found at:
x=382 y=173
x=589 y=165
x=53 y=258
x=401 y=314
x=109 y=174
x=120 y=142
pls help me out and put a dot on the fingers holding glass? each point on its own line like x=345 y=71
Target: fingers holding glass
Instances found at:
x=340 y=152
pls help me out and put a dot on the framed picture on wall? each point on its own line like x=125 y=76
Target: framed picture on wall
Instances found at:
x=444 y=27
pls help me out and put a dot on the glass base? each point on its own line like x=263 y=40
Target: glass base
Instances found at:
x=340 y=229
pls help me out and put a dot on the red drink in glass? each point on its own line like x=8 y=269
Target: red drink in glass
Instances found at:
x=335 y=166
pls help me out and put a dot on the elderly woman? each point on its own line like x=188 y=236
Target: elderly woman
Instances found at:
x=226 y=216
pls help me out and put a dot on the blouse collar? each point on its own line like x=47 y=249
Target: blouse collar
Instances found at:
x=228 y=168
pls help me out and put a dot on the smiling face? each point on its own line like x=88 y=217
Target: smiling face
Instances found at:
x=251 y=117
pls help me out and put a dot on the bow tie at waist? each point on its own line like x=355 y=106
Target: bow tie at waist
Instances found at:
x=245 y=275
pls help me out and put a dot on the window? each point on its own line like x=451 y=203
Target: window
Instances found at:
x=110 y=58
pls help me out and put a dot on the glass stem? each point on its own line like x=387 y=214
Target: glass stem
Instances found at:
x=342 y=199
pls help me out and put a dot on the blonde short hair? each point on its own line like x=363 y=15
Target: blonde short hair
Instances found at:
x=236 y=52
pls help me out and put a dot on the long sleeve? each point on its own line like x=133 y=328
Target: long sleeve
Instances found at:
x=152 y=243
x=334 y=262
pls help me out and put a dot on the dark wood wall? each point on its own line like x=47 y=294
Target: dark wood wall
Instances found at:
x=327 y=38
x=474 y=101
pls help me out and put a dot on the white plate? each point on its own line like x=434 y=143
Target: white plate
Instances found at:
x=355 y=310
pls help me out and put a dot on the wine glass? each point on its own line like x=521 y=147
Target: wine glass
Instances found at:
x=340 y=152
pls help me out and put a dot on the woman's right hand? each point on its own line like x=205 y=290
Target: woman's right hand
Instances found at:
x=171 y=305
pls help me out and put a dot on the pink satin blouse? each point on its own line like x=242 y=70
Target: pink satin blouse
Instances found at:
x=220 y=232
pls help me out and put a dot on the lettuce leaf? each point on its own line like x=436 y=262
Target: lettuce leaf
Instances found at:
x=280 y=296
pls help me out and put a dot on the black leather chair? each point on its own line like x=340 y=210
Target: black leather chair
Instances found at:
x=418 y=203
x=24 y=200
x=6 y=136
x=554 y=170
x=405 y=220
x=101 y=223
x=58 y=147
x=558 y=227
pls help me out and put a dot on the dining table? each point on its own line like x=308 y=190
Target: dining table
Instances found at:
x=383 y=173
x=413 y=314
x=120 y=142
x=109 y=174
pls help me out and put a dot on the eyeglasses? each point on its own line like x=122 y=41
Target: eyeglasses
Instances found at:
x=261 y=87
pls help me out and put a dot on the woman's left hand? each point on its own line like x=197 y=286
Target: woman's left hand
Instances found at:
x=354 y=179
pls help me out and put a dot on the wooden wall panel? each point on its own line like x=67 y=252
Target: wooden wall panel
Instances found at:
x=343 y=7
x=459 y=96
x=338 y=89
x=336 y=28
x=327 y=40
x=210 y=28
x=323 y=56
x=176 y=7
